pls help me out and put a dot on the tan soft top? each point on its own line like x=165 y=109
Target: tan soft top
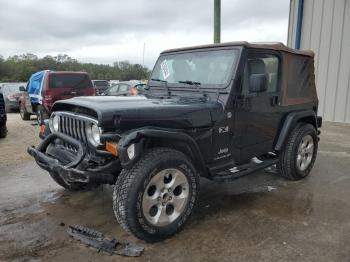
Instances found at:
x=267 y=45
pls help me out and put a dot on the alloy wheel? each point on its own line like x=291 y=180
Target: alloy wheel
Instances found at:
x=165 y=197
x=305 y=152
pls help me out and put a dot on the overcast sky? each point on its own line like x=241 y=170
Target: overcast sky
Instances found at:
x=104 y=31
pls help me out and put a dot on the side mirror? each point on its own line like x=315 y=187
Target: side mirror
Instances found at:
x=257 y=83
x=22 y=89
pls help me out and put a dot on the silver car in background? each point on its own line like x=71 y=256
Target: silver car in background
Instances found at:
x=12 y=92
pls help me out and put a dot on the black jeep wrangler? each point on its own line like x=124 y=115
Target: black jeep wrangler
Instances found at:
x=3 y=116
x=217 y=111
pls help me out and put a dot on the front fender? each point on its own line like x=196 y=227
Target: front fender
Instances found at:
x=139 y=136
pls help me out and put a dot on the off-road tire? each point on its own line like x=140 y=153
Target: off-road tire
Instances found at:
x=23 y=112
x=3 y=131
x=287 y=166
x=131 y=185
x=71 y=187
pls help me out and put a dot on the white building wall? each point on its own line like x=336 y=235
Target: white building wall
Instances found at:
x=326 y=31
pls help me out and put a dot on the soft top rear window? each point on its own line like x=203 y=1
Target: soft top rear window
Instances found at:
x=300 y=76
x=69 y=81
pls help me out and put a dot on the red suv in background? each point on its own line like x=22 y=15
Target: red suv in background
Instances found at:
x=56 y=85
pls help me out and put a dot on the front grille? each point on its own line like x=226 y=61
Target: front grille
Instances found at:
x=74 y=126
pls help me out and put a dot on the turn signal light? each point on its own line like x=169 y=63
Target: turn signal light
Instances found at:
x=112 y=148
x=42 y=129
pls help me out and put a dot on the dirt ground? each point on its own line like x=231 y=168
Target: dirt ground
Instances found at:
x=260 y=217
x=13 y=149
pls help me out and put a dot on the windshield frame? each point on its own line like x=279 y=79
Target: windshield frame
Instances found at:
x=202 y=86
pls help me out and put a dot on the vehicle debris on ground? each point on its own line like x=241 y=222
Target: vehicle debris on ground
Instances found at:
x=97 y=240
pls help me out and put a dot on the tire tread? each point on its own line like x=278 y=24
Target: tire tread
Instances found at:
x=123 y=190
x=286 y=166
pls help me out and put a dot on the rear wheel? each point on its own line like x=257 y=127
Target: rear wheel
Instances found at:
x=23 y=112
x=154 y=199
x=41 y=115
x=299 y=154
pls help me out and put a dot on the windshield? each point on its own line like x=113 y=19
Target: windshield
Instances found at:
x=203 y=67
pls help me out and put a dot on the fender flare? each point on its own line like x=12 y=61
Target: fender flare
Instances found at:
x=139 y=136
x=290 y=122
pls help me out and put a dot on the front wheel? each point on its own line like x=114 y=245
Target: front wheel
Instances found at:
x=23 y=112
x=299 y=154
x=154 y=199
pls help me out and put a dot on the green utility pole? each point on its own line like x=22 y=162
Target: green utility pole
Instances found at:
x=217 y=21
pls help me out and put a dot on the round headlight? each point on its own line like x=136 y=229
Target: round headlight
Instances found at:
x=53 y=123
x=95 y=135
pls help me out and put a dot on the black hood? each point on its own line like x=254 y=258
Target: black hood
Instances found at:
x=133 y=112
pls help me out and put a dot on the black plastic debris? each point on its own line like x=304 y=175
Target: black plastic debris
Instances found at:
x=97 y=240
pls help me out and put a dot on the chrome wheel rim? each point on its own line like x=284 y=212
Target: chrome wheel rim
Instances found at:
x=305 y=152
x=21 y=111
x=165 y=197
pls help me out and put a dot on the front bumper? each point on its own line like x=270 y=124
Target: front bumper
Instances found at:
x=73 y=167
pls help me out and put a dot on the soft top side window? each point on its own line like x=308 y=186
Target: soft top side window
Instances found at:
x=261 y=64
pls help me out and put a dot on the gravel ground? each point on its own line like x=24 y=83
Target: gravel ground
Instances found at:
x=21 y=134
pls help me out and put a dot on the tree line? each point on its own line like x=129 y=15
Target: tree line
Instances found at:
x=19 y=68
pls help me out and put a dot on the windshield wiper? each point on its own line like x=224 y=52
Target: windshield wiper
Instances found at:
x=194 y=83
x=159 y=80
x=165 y=84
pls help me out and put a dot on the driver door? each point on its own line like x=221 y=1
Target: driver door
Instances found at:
x=258 y=119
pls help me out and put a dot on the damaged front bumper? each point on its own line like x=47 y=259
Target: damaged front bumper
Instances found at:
x=73 y=166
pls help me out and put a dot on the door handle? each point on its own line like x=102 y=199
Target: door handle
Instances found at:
x=274 y=100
